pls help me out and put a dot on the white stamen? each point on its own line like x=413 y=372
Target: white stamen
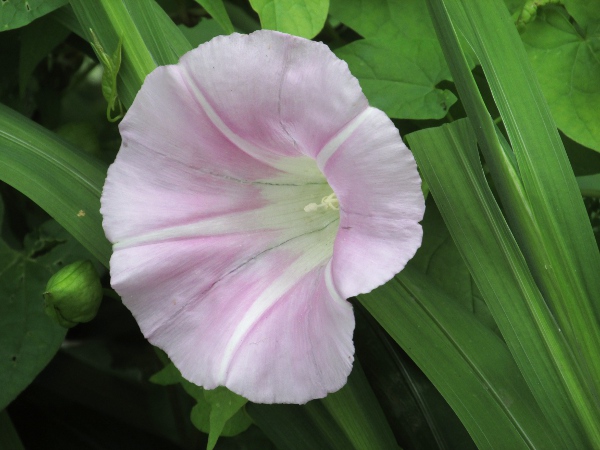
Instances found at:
x=328 y=202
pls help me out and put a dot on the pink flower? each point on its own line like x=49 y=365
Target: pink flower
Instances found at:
x=254 y=192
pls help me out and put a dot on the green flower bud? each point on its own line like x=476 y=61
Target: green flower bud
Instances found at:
x=73 y=294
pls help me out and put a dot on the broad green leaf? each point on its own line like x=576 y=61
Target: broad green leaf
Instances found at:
x=202 y=32
x=28 y=337
x=244 y=21
x=218 y=412
x=167 y=376
x=303 y=18
x=37 y=41
x=457 y=182
x=385 y=19
x=17 y=13
x=585 y=12
x=65 y=182
x=400 y=76
x=567 y=65
x=217 y=11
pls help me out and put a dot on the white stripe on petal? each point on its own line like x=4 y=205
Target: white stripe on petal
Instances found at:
x=331 y=285
x=330 y=148
x=314 y=249
x=301 y=166
x=284 y=210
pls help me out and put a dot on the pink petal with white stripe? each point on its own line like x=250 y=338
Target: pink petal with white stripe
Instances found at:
x=229 y=248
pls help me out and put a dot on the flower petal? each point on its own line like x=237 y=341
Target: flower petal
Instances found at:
x=282 y=93
x=375 y=178
x=268 y=328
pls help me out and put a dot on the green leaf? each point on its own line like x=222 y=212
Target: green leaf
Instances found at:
x=202 y=32
x=583 y=11
x=303 y=18
x=386 y=19
x=499 y=269
x=295 y=427
x=37 y=40
x=348 y=419
x=111 y=66
x=17 y=13
x=28 y=337
x=469 y=365
x=65 y=182
x=417 y=413
x=356 y=404
x=149 y=36
x=567 y=65
x=9 y=438
x=218 y=412
x=439 y=259
x=217 y=11
x=400 y=76
x=589 y=185
x=541 y=200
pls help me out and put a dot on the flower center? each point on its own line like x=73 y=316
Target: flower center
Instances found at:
x=328 y=202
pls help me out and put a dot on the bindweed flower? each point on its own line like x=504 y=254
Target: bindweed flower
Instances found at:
x=254 y=192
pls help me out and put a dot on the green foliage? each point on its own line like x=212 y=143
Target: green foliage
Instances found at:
x=348 y=419
x=216 y=9
x=566 y=60
x=28 y=337
x=400 y=76
x=439 y=259
x=64 y=181
x=218 y=412
x=18 y=13
x=585 y=12
x=33 y=51
x=498 y=308
x=111 y=66
x=389 y=19
x=303 y=18
x=202 y=32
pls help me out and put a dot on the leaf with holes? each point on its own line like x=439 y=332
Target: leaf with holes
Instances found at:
x=18 y=13
x=29 y=338
x=566 y=60
x=400 y=76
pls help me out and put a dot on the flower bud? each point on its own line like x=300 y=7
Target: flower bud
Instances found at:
x=73 y=294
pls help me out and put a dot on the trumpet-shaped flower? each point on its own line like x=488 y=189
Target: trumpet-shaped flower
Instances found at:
x=254 y=192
